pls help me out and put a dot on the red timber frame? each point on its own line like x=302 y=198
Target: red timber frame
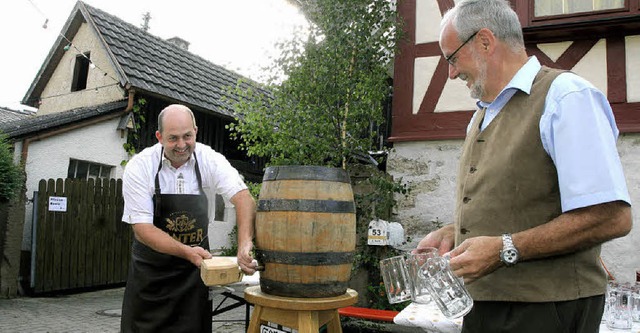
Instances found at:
x=584 y=29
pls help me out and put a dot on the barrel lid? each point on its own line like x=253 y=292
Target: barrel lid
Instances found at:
x=306 y=172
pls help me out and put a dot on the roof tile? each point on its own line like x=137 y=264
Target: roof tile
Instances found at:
x=156 y=65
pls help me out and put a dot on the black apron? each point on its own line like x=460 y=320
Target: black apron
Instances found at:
x=165 y=293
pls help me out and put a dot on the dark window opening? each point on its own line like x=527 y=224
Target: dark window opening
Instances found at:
x=84 y=170
x=219 y=214
x=81 y=72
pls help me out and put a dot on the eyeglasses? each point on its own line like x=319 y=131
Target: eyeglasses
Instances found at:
x=450 y=59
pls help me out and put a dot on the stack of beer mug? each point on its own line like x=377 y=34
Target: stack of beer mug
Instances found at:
x=422 y=276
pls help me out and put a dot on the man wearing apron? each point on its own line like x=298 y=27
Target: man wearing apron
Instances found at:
x=165 y=202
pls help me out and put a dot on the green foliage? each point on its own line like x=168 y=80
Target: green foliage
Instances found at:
x=381 y=198
x=356 y=325
x=254 y=189
x=324 y=100
x=138 y=110
x=336 y=82
x=11 y=175
x=233 y=250
x=376 y=200
x=378 y=299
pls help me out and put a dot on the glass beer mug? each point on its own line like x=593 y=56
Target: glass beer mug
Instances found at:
x=414 y=261
x=446 y=289
x=618 y=307
x=396 y=279
x=425 y=276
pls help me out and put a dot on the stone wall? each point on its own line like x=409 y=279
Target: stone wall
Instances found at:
x=430 y=168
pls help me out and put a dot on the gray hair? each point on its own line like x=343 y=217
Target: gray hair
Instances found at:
x=469 y=16
x=178 y=107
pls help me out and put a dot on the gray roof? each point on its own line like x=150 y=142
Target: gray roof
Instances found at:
x=8 y=115
x=148 y=64
x=52 y=121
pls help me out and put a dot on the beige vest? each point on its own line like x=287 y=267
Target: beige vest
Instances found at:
x=508 y=183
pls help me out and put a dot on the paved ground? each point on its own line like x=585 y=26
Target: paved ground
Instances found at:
x=99 y=311
x=93 y=311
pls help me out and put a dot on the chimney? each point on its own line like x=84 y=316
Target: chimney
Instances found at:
x=179 y=42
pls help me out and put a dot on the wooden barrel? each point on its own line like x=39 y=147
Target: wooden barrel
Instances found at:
x=305 y=231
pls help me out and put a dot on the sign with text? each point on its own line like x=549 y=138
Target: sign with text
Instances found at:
x=57 y=204
x=378 y=233
x=267 y=329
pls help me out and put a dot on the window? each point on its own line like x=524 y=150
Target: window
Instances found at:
x=81 y=72
x=581 y=22
x=563 y=7
x=85 y=170
x=219 y=214
x=561 y=20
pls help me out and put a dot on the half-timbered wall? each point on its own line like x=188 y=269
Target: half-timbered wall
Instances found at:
x=430 y=112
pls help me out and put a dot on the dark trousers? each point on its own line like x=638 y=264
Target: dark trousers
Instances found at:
x=578 y=316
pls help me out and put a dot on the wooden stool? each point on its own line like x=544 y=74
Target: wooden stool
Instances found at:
x=304 y=314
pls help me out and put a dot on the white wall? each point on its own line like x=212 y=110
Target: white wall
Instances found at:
x=102 y=85
x=622 y=256
x=632 y=44
x=49 y=158
x=219 y=230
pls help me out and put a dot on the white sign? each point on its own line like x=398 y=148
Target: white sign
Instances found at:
x=267 y=329
x=396 y=234
x=378 y=233
x=57 y=204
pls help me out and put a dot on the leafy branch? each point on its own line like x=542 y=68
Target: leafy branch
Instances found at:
x=133 y=135
x=11 y=175
x=324 y=99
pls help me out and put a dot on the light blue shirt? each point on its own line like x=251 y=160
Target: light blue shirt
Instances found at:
x=579 y=133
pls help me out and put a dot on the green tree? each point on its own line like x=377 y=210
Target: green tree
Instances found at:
x=11 y=176
x=325 y=99
x=336 y=81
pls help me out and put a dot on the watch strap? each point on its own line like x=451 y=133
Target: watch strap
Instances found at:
x=509 y=254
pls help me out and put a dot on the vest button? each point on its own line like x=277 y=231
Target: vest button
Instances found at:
x=466 y=199
x=472 y=169
x=464 y=231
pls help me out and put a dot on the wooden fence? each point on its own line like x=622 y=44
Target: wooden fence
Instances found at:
x=84 y=244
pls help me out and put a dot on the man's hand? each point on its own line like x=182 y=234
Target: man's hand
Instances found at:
x=245 y=218
x=197 y=254
x=476 y=257
x=442 y=239
x=160 y=241
x=245 y=261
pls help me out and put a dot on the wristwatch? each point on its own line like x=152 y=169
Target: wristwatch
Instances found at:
x=509 y=254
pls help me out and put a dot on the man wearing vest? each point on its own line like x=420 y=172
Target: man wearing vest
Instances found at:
x=540 y=185
x=165 y=201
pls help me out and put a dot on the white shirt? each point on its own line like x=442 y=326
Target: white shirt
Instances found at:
x=138 y=181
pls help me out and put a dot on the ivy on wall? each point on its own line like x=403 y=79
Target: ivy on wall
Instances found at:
x=133 y=136
x=11 y=175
